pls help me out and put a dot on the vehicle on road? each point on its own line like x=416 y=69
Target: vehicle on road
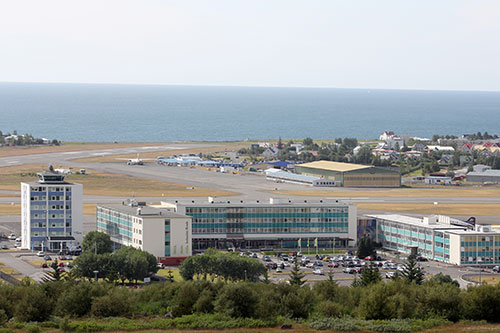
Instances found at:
x=12 y=236
x=40 y=254
x=267 y=258
x=5 y=247
x=278 y=270
x=318 y=271
x=47 y=257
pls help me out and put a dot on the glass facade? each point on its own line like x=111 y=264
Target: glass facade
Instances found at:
x=403 y=237
x=268 y=220
x=167 y=238
x=480 y=249
x=117 y=225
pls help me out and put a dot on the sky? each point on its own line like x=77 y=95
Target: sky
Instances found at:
x=382 y=44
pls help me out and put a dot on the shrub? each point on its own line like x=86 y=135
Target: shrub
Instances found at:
x=77 y=300
x=33 y=305
x=237 y=300
x=330 y=309
x=32 y=328
x=117 y=303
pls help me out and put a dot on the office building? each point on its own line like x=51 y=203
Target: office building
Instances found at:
x=439 y=238
x=158 y=231
x=279 y=224
x=51 y=213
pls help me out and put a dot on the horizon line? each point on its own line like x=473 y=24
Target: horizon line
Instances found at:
x=242 y=86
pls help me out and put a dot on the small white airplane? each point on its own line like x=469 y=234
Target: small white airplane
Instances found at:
x=136 y=161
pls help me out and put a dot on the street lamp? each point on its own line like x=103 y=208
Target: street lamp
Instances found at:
x=95 y=274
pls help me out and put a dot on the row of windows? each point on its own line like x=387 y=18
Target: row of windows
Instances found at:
x=192 y=210
x=50 y=189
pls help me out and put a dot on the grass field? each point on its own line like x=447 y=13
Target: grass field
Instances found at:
x=175 y=273
x=429 y=208
x=108 y=184
x=486 y=279
x=8 y=270
x=221 y=147
x=455 y=191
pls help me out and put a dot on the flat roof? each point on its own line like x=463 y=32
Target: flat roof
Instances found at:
x=280 y=203
x=292 y=176
x=334 y=166
x=414 y=221
x=146 y=211
x=473 y=232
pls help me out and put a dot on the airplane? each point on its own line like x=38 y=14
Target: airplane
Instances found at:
x=136 y=161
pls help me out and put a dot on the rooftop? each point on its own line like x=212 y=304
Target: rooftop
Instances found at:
x=334 y=166
x=284 y=202
x=415 y=221
x=142 y=211
x=490 y=172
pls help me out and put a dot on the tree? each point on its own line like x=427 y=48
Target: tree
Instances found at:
x=54 y=275
x=87 y=263
x=308 y=142
x=132 y=264
x=296 y=275
x=412 y=272
x=365 y=247
x=441 y=278
x=97 y=242
x=370 y=275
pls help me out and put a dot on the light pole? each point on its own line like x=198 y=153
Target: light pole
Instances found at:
x=95 y=274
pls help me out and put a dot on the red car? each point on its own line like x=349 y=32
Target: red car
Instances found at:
x=44 y=265
x=369 y=258
x=333 y=264
x=61 y=264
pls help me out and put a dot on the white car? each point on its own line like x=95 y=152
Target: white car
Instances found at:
x=310 y=265
x=40 y=254
x=12 y=236
x=286 y=264
x=318 y=271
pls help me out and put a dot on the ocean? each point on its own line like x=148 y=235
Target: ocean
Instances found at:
x=154 y=113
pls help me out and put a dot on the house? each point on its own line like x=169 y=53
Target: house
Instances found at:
x=446 y=159
x=395 y=142
x=386 y=135
x=467 y=148
x=271 y=152
x=465 y=159
x=298 y=147
x=490 y=145
x=480 y=168
x=420 y=147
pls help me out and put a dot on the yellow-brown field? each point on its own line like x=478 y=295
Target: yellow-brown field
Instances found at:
x=430 y=208
x=107 y=184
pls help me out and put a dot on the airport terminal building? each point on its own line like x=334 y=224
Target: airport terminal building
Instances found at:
x=350 y=174
x=439 y=238
x=51 y=213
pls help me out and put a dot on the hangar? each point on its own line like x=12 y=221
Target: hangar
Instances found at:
x=351 y=175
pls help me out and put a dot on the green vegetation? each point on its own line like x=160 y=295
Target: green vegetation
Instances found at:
x=126 y=263
x=229 y=266
x=365 y=247
x=398 y=305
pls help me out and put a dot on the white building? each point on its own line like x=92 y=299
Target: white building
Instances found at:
x=437 y=180
x=158 y=231
x=439 y=238
x=386 y=135
x=446 y=149
x=51 y=213
x=278 y=175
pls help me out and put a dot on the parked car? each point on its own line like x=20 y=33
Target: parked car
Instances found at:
x=348 y=270
x=318 y=263
x=44 y=265
x=496 y=269
x=254 y=255
x=278 y=270
x=5 y=247
x=69 y=264
x=40 y=254
x=47 y=257
x=390 y=275
x=160 y=265
x=318 y=271
x=281 y=265
x=63 y=257
x=310 y=265
x=333 y=264
x=369 y=258
x=12 y=236
x=61 y=264
x=267 y=258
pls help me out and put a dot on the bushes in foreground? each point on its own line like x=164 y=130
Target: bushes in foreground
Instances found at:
x=202 y=303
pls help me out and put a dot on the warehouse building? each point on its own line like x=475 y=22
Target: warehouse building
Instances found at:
x=289 y=177
x=487 y=176
x=439 y=238
x=351 y=175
